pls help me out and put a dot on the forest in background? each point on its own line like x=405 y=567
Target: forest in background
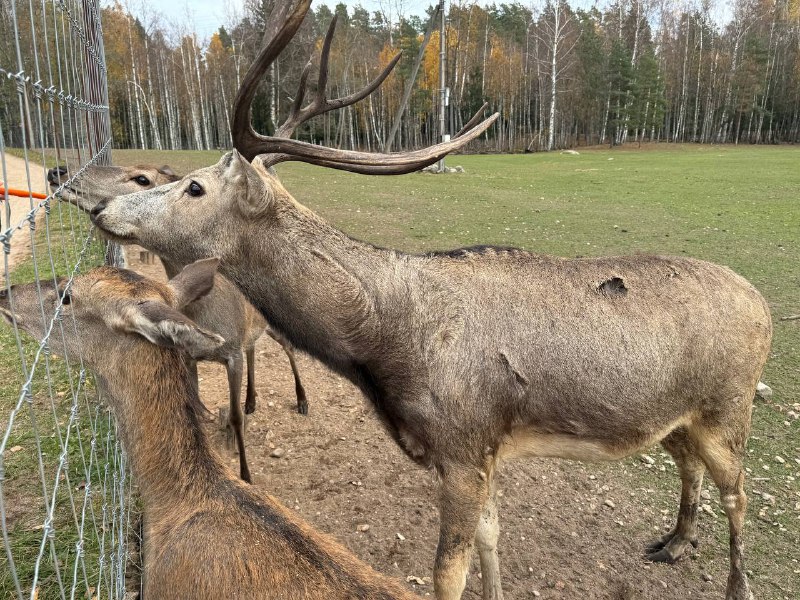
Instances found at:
x=625 y=71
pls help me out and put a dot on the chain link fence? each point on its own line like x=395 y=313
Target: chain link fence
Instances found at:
x=65 y=494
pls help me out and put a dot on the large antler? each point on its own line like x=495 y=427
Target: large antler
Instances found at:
x=320 y=104
x=280 y=148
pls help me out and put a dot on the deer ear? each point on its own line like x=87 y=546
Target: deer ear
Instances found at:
x=164 y=326
x=194 y=281
x=253 y=193
x=167 y=170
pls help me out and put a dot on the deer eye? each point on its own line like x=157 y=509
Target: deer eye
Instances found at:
x=195 y=189
x=142 y=180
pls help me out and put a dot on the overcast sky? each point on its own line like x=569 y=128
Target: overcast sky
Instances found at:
x=205 y=16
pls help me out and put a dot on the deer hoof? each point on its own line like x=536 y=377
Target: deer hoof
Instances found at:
x=669 y=548
x=662 y=556
x=250 y=404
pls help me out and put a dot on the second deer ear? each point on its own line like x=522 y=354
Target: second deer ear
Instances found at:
x=253 y=194
x=164 y=326
x=194 y=281
x=167 y=170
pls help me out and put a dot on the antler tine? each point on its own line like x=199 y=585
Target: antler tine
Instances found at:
x=368 y=163
x=301 y=90
x=471 y=123
x=247 y=141
x=320 y=104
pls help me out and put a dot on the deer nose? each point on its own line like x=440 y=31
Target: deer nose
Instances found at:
x=57 y=174
x=97 y=209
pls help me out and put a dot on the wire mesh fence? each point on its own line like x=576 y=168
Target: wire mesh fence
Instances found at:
x=65 y=509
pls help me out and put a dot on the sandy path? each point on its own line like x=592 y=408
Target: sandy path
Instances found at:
x=16 y=177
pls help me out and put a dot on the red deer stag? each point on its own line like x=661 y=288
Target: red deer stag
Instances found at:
x=207 y=535
x=476 y=355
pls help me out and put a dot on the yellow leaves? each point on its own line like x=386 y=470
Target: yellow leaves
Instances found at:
x=429 y=69
x=217 y=53
x=794 y=11
x=504 y=69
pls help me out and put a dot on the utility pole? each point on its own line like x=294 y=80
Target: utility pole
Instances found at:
x=442 y=85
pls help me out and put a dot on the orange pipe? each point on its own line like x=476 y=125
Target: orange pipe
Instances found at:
x=22 y=193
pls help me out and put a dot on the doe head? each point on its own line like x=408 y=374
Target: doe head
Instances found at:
x=108 y=310
x=101 y=183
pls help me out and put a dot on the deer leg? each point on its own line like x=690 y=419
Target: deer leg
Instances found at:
x=723 y=457
x=486 y=538
x=463 y=494
x=672 y=545
x=236 y=418
x=299 y=390
x=250 y=398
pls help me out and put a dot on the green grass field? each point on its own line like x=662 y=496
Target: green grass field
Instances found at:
x=737 y=206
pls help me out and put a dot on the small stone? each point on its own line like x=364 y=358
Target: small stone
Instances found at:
x=705 y=495
x=536 y=593
x=560 y=585
x=15 y=449
x=401 y=537
x=609 y=503
x=415 y=579
x=768 y=498
x=780 y=459
x=707 y=578
x=271 y=404
x=648 y=460
x=277 y=453
x=763 y=391
x=363 y=527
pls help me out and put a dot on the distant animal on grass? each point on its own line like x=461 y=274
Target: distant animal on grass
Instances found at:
x=207 y=535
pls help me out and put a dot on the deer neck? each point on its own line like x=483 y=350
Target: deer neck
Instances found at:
x=159 y=419
x=314 y=284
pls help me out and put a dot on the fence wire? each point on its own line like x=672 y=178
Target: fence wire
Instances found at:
x=65 y=509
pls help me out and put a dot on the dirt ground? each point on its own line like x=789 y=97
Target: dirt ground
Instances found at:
x=568 y=530
x=16 y=177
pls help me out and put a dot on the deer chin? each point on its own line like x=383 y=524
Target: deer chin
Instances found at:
x=121 y=233
x=73 y=197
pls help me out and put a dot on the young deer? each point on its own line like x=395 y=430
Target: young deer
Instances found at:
x=480 y=354
x=223 y=310
x=208 y=535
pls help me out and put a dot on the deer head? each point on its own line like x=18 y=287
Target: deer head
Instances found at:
x=103 y=183
x=110 y=309
x=210 y=211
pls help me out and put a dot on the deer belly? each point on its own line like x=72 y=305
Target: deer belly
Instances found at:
x=526 y=441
